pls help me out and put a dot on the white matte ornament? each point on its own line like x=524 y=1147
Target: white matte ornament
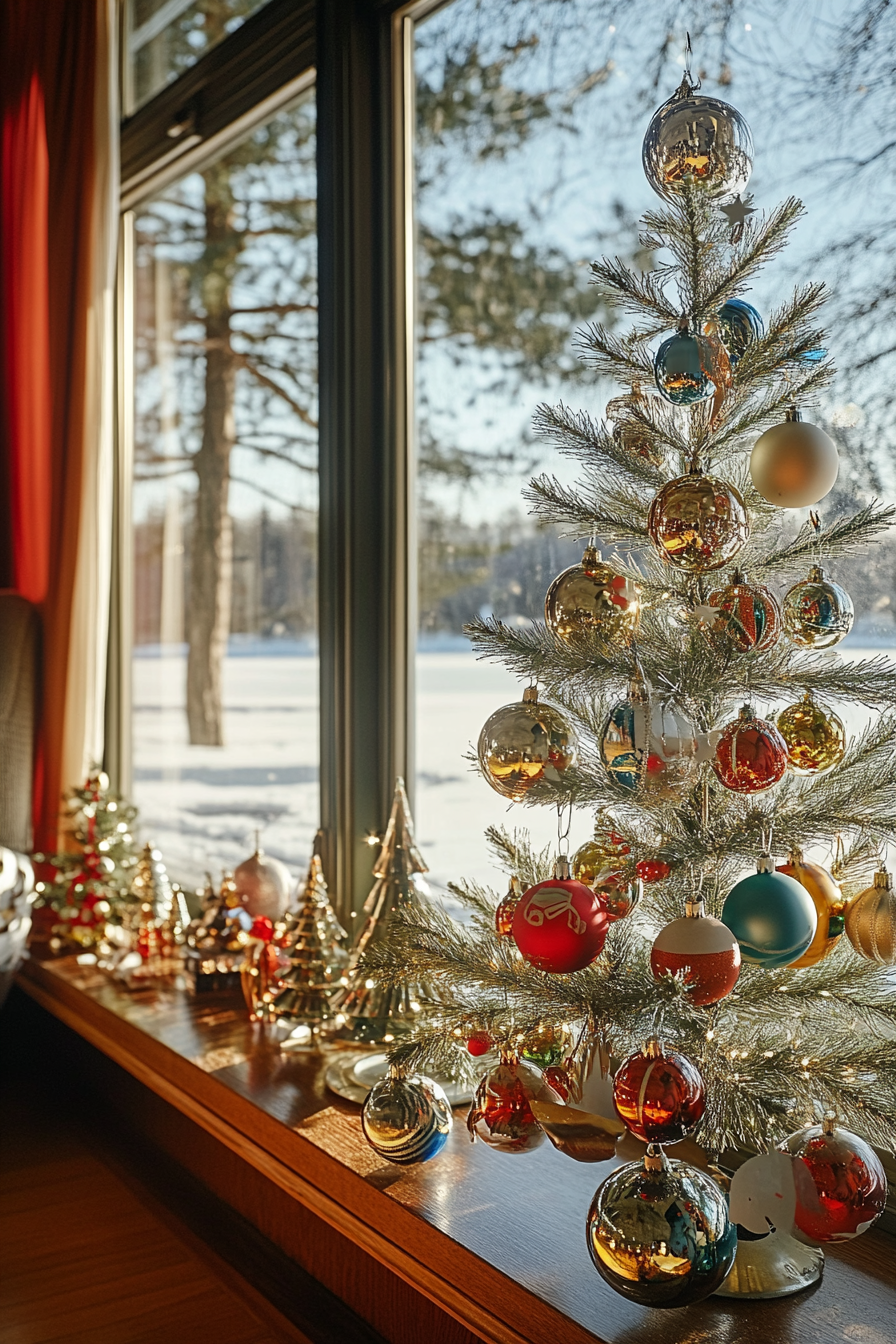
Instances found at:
x=795 y=464
x=263 y=884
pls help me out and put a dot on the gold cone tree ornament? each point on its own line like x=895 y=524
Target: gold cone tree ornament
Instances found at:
x=314 y=947
x=156 y=919
x=377 y=1012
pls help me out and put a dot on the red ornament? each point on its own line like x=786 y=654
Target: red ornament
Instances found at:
x=505 y=911
x=620 y=893
x=751 y=754
x=560 y=925
x=479 y=1043
x=262 y=929
x=747 y=615
x=559 y=1079
x=847 y=1190
x=501 y=1113
x=653 y=870
x=704 y=948
x=659 y=1094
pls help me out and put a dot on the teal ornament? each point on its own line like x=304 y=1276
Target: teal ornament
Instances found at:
x=659 y=1233
x=739 y=326
x=683 y=368
x=406 y=1119
x=771 y=915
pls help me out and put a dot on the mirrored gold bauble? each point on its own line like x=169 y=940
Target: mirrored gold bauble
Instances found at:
x=592 y=596
x=523 y=743
x=795 y=464
x=698 y=523
x=815 y=737
x=699 y=141
x=818 y=613
x=871 y=920
x=829 y=903
x=628 y=429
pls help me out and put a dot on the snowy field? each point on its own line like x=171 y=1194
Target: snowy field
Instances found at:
x=202 y=805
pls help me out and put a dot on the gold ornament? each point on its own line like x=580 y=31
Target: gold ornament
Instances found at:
x=818 y=613
x=523 y=743
x=829 y=903
x=698 y=522
x=507 y=909
x=605 y=852
x=815 y=737
x=592 y=596
x=629 y=429
x=794 y=464
x=871 y=920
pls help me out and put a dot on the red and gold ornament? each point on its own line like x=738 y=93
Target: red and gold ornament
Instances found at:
x=506 y=909
x=847 y=1189
x=747 y=615
x=829 y=903
x=701 y=947
x=560 y=925
x=658 y=1094
x=501 y=1113
x=751 y=755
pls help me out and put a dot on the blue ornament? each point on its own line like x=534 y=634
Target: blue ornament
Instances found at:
x=771 y=915
x=739 y=325
x=406 y=1119
x=683 y=368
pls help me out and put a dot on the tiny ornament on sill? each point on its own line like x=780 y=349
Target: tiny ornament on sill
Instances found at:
x=263 y=884
x=312 y=946
x=659 y=1234
x=406 y=1118
x=523 y=743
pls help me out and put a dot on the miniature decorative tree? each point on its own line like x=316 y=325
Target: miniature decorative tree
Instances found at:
x=314 y=945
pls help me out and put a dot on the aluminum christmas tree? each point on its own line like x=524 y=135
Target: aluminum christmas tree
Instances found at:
x=689 y=703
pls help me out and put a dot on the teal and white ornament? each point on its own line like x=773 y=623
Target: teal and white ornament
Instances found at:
x=648 y=744
x=771 y=915
x=406 y=1118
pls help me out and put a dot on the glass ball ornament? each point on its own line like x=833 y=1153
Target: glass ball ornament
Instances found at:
x=628 y=430
x=606 y=851
x=847 y=1188
x=871 y=920
x=653 y=870
x=794 y=464
x=523 y=743
x=547 y=1046
x=750 y=755
x=560 y=925
x=739 y=326
x=694 y=140
x=507 y=908
x=818 y=613
x=771 y=915
x=815 y=737
x=501 y=1113
x=648 y=744
x=406 y=1119
x=703 y=950
x=590 y=597
x=263 y=884
x=698 y=523
x=747 y=616
x=658 y=1094
x=658 y=1232
x=829 y=903
x=683 y=368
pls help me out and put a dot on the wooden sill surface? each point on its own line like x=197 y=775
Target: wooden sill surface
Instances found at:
x=499 y=1245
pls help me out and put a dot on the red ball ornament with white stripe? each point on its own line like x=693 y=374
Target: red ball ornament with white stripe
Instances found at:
x=703 y=949
x=658 y=1094
x=560 y=925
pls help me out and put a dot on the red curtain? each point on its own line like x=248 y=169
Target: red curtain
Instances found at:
x=47 y=144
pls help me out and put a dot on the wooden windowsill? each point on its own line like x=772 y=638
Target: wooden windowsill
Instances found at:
x=498 y=1245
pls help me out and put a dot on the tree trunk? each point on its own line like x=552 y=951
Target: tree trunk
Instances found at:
x=211 y=570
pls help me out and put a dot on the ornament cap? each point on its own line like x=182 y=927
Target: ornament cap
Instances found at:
x=530 y=695
x=652 y=1049
x=816 y=574
x=792 y=414
x=655 y=1158
x=738 y=576
x=561 y=868
x=765 y=863
x=694 y=908
x=829 y=1122
x=883 y=880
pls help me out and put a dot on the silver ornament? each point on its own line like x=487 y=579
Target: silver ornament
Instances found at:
x=406 y=1119
x=263 y=884
x=697 y=141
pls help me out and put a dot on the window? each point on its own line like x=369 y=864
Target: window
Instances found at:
x=225 y=672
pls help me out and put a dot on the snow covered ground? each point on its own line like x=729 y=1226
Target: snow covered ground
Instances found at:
x=201 y=805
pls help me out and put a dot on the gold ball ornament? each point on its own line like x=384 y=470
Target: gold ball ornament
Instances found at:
x=829 y=903
x=818 y=613
x=698 y=523
x=794 y=464
x=815 y=737
x=697 y=141
x=523 y=743
x=591 y=596
x=871 y=920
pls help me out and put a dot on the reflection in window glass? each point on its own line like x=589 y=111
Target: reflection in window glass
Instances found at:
x=225 y=722
x=529 y=124
x=165 y=37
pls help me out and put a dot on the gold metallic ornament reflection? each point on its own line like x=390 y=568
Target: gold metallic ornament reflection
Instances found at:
x=698 y=523
x=815 y=737
x=577 y=1134
x=523 y=743
x=829 y=903
x=592 y=596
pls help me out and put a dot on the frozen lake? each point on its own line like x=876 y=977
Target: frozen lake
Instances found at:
x=201 y=805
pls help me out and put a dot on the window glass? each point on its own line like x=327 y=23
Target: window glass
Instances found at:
x=529 y=122
x=163 y=38
x=225 y=703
